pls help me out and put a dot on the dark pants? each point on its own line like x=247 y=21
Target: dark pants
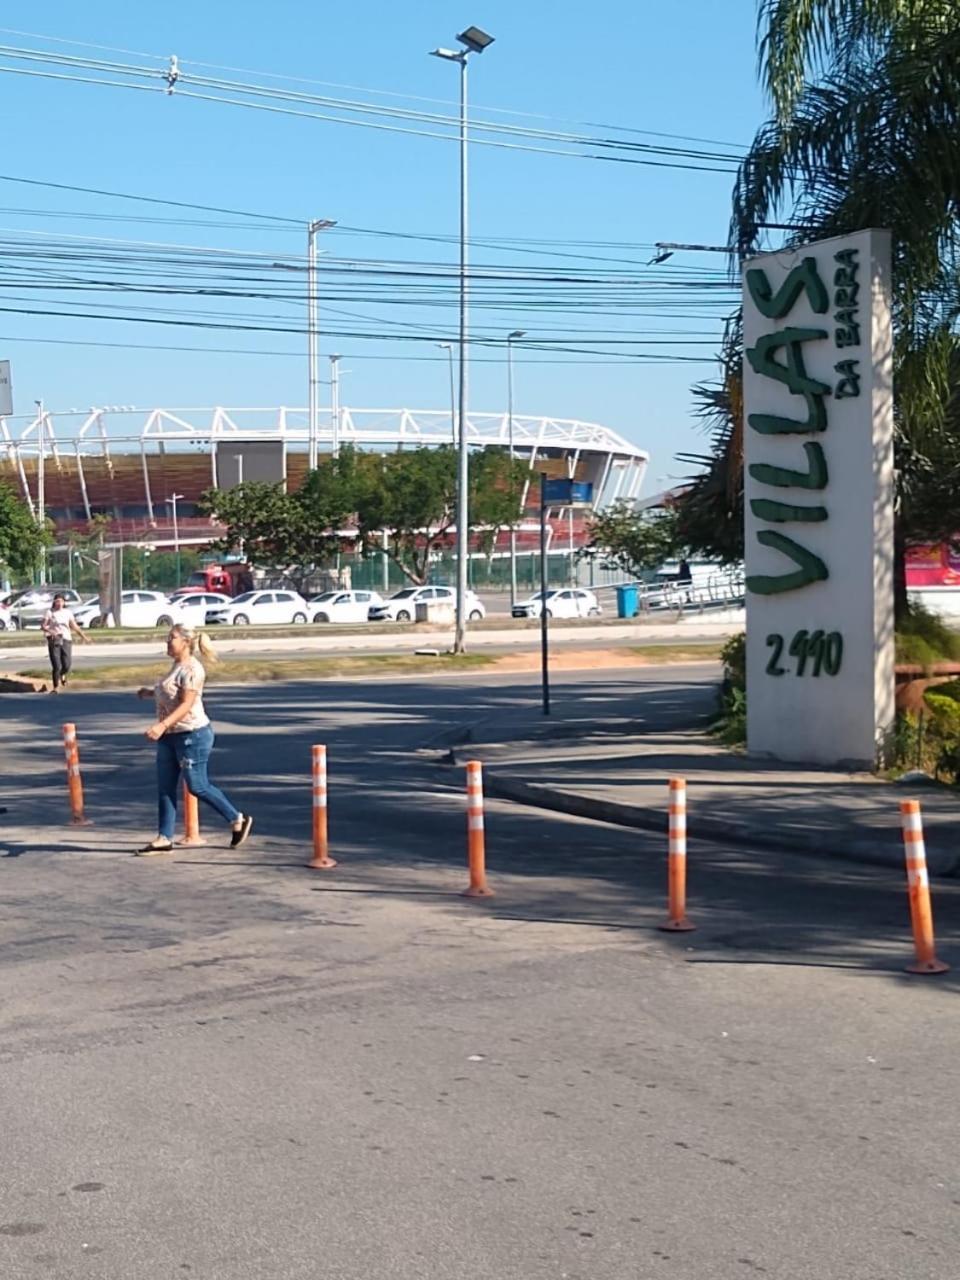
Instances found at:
x=189 y=752
x=61 y=660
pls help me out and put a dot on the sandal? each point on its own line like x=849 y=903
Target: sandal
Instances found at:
x=159 y=845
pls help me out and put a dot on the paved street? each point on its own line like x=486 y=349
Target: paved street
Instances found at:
x=226 y=1066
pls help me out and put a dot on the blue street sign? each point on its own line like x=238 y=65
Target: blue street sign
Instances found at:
x=567 y=493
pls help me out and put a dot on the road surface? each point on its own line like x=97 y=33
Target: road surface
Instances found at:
x=228 y=1067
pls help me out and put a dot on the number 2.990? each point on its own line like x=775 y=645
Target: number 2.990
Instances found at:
x=814 y=652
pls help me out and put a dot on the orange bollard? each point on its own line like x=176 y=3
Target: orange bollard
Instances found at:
x=74 y=784
x=321 y=859
x=918 y=891
x=191 y=819
x=476 y=848
x=677 y=921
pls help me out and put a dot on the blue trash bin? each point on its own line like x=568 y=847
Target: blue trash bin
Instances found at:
x=627 y=600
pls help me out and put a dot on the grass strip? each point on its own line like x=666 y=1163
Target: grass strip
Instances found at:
x=707 y=652
x=267 y=670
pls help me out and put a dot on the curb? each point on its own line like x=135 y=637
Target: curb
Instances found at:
x=870 y=851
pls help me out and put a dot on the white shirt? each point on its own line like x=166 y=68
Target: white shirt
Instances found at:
x=56 y=623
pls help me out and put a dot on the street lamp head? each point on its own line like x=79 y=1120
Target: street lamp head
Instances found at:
x=475 y=39
x=517 y=333
x=451 y=55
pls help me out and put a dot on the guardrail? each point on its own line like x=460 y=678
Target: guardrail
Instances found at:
x=722 y=590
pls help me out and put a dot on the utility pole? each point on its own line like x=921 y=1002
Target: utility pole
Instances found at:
x=172 y=502
x=544 y=612
x=335 y=402
x=313 y=340
x=517 y=333
x=41 y=482
x=448 y=347
x=474 y=41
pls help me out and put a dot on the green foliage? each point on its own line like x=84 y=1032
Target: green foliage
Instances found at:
x=410 y=494
x=733 y=655
x=865 y=132
x=634 y=541
x=731 y=724
x=710 y=509
x=21 y=536
x=923 y=638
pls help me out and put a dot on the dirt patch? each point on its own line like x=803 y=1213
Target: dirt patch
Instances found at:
x=22 y=684
x=584 y=659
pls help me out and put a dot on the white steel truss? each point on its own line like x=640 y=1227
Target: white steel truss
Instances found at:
x=107 y=432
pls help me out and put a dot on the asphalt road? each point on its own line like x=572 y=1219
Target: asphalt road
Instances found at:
x=225 y=1066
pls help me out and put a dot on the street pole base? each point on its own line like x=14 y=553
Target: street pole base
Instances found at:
x=929 y=966
x=322 y=864
x=189 y=842
x=81 y=822
x=677 y=926
x=478 y=891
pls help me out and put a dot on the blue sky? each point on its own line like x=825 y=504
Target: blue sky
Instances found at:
x=683 y=69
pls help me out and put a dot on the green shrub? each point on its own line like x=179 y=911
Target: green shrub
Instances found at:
x=733 y=655
x=923 y=638
x=731 y=724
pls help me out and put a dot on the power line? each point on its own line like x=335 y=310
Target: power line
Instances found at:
x=270 y=75
x=670 y=156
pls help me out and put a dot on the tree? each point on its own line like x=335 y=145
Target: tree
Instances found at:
x=864 y=132
x=411 y=496
x=294 y=532
x=635 y=541
x=21 y=536
x=709 y=512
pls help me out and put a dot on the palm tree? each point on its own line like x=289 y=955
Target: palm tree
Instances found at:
x=865 y=131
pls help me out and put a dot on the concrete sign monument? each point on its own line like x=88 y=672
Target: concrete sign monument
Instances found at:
x=818 y=481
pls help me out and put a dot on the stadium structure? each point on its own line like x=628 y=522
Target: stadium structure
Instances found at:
x=144 y=472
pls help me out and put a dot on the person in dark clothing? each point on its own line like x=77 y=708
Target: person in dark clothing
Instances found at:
x=684 y=575
x=59 y=626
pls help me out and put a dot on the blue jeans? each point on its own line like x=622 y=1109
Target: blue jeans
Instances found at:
x=189 y=753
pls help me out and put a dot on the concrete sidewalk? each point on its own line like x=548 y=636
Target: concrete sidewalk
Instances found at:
x=615 y=768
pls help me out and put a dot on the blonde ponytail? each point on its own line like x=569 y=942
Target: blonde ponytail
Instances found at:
x=199 y=642
x=202 y=644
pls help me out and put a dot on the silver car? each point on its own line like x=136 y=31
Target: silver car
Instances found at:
x=28 y=607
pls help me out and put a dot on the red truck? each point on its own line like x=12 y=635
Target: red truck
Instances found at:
x=228 y=579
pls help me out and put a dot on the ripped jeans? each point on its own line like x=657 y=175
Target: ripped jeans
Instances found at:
x=189 y=753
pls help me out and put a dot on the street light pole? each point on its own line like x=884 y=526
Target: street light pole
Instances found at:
x=335 y=402
x=517 y=333
x=448 y=347
x=474 y=41
x=172 y=502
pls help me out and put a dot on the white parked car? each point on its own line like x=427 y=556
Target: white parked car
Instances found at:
x=402 y=605
x=137 y=609
x=343 y=606
x=197 y=608
x=262 y=607
x=572 y=602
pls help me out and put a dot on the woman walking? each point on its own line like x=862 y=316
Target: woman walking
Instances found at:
x=184 y=737
x=59 y=626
